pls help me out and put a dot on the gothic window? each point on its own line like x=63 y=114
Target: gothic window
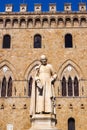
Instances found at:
x=68 y=41
x=71 y=124
x=3 y=90
x=76 y=87
x=37 y=41
x=6 y=41
x=63 y=86
x=70 y=91
x=30 y=86
x=9 y=90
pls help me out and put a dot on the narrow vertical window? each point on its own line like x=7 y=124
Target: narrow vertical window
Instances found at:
x=68 y=41
x=6 y=41
x=76 y=87
x=70 y=90
x=71 y=124
x=9 y=90
x=3 y=90
x=30 y=86
x=63 y=86
x=37 y=41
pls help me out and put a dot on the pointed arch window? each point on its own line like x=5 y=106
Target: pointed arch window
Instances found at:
x=9 y=90
x=6 y=41
x=68 y=41
x=70 y=90
x=71 y=124
x=37 y=41
x=63 y=86
x=30 y=86
x=3 y=90
x=76 y=87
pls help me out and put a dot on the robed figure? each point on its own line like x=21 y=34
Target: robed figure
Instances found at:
x=43 y=88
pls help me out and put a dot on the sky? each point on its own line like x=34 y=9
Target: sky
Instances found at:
x=44 y=3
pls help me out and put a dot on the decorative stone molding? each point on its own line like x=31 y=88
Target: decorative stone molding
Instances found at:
x=37 y=21
x=73 y=65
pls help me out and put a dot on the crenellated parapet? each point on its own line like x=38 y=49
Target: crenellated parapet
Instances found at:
x=39 y=19
x=52 y=7
x=43 y=20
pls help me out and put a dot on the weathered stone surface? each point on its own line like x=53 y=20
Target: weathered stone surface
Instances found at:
x=43 y=122
x=21 y=57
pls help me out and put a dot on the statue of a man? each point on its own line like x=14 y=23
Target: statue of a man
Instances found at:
x=43 y=88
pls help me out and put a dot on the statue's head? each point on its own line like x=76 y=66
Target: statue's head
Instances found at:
x=43 y=59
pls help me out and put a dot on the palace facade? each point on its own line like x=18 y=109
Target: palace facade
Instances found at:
x=62 y=37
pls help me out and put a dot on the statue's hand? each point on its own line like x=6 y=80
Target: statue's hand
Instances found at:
x=52 y=81
x=38 y=84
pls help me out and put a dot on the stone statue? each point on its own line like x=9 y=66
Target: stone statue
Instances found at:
x=43 y=88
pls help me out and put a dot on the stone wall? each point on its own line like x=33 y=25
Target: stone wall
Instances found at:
x=21 y=57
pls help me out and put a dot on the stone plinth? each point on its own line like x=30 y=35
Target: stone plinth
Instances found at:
x=43 y=122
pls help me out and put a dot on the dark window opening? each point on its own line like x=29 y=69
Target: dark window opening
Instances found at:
x=37 y=41
x=9 y=90
x=68 y=41
x=76 y=87
x=71 y=124
x=63 y=86
x=6 y=41
x=30 y=86
x=70 y=91
x=3 y=90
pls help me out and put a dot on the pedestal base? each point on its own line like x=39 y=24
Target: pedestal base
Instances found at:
x=43 y=122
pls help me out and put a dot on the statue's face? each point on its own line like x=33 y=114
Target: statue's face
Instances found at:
x=44 y=61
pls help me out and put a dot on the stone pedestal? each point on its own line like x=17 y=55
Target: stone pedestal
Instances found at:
x=43 y=122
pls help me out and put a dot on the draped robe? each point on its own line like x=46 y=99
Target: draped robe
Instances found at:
x=42 y=90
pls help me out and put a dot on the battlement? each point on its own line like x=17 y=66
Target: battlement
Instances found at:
x=52 y=8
